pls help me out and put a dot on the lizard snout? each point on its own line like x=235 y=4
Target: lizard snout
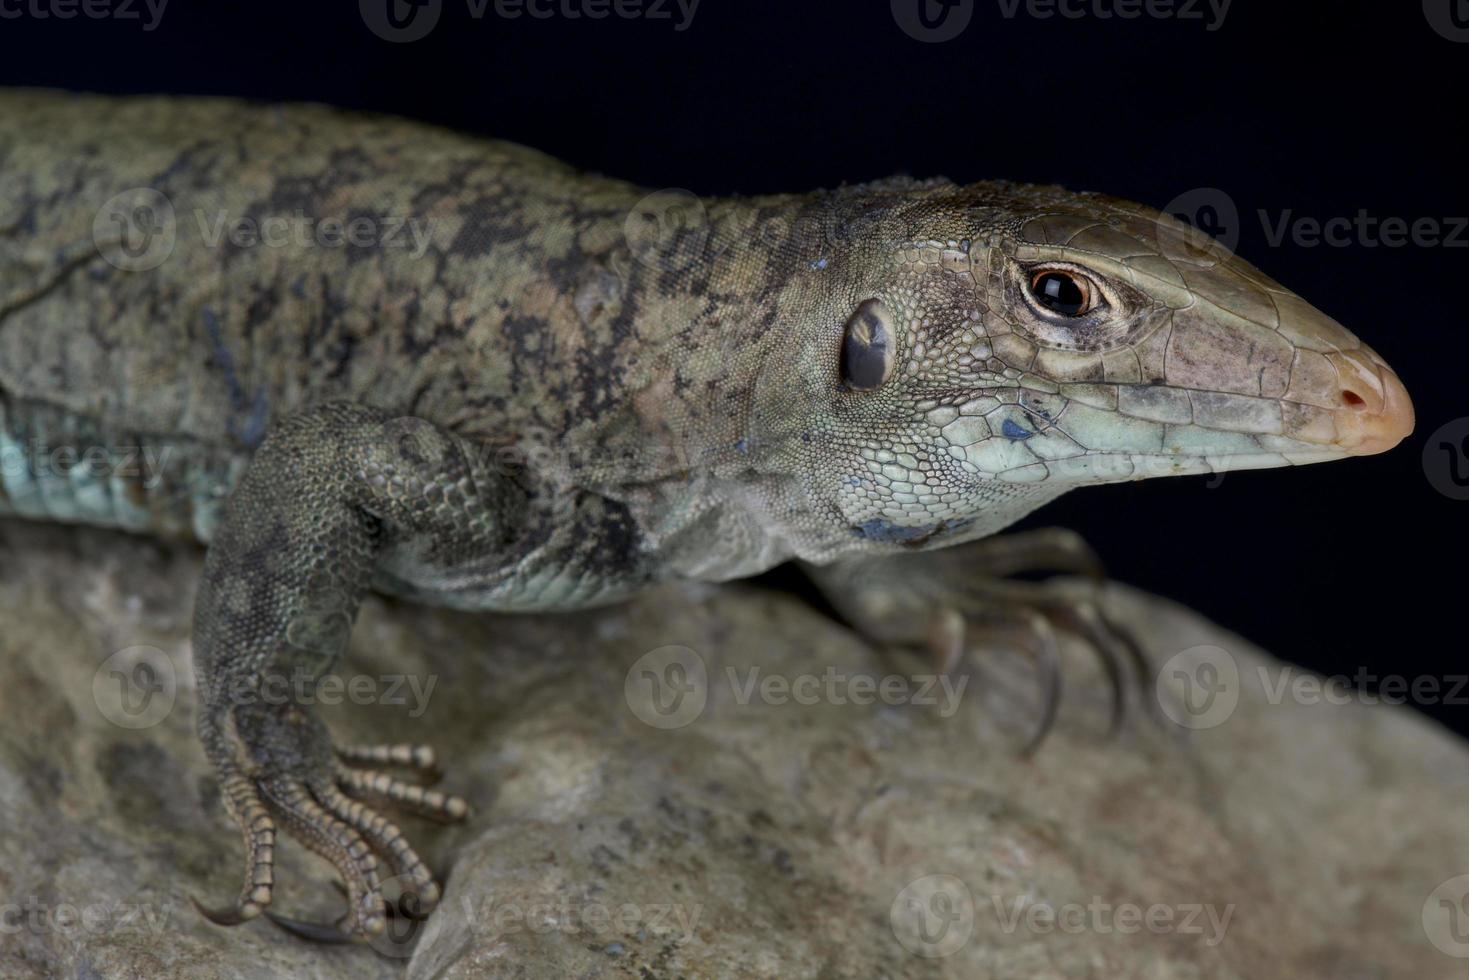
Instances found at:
x=1375 y=413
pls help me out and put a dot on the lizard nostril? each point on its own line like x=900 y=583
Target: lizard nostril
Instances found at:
x=1372 y=418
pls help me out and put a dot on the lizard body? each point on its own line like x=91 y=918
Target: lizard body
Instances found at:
x=549 y=389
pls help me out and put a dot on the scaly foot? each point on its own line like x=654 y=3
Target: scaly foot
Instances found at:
x=293 y=779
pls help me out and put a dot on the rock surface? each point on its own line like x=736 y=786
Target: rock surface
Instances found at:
x=688 y=786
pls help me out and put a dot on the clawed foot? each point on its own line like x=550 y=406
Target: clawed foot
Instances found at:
x=940 y=600
x=278 y=769
x=1036 y=614
x=408 y=905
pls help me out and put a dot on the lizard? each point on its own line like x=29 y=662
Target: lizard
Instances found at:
x=562 y=389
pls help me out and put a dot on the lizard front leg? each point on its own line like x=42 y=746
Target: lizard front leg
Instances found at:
x=939 y=600
x=329 y=494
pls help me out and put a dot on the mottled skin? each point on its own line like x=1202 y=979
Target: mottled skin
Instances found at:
x=574 y=390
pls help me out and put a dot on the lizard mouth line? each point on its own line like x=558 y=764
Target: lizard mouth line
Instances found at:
x=1373 y=414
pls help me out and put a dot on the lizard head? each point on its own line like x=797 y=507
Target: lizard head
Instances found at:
x=1014 y=342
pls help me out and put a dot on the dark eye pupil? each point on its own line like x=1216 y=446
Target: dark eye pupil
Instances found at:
x=1059 y=292
x=867 y=353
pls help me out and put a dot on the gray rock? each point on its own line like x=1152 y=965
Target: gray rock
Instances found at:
x=686 y=786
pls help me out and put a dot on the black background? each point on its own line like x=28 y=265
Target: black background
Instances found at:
x=1316 y=110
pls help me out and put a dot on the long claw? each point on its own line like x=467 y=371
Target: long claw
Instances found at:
x=1080 y=620
x=315 y=932
x=229 y=917
x=1138 y=659
x=1048 y=667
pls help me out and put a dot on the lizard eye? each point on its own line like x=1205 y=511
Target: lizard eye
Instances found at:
x=868 y=350
x=1062 y=291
